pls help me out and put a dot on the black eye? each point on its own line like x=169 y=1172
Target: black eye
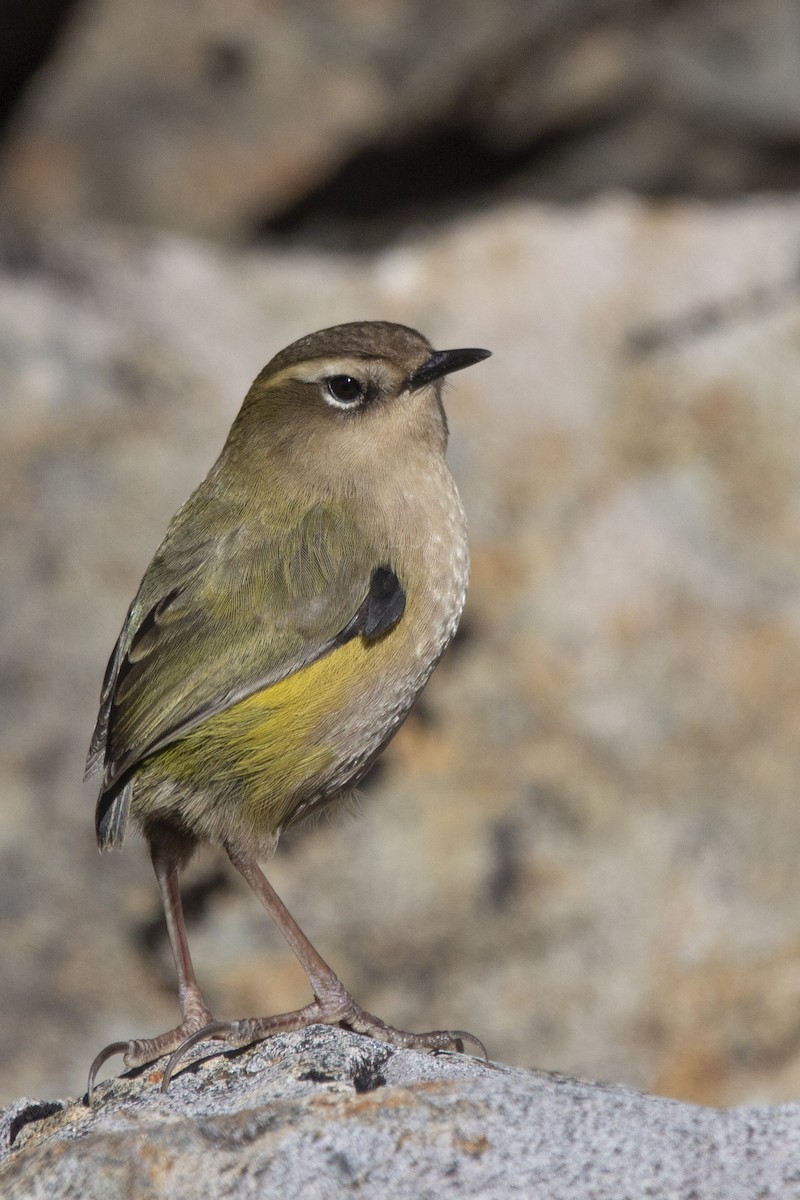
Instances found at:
x=345 y=389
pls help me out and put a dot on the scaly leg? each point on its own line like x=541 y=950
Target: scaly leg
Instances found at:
x=332 y=1003
x=195 y=1013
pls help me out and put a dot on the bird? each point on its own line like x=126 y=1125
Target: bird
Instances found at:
x=293 y=612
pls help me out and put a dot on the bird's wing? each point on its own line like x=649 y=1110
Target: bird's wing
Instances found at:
x=216 y=621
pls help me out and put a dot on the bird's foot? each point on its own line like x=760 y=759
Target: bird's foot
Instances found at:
x=138 y=1051
x=334 y=1007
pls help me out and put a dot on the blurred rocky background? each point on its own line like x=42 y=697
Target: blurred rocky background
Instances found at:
x=583 y=845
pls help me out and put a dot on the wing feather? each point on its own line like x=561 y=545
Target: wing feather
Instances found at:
x=216 y=620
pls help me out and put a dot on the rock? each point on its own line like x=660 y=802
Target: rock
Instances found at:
x=326 y=1113
x=582 y=847
x=211 y=120
x=347 y=123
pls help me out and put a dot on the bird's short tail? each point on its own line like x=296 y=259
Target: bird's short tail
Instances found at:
x=111 y=815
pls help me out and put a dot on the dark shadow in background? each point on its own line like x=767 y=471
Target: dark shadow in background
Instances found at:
x=29 y=30
x=388 y=189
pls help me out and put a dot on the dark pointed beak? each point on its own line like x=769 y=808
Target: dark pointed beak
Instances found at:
x=444 y=362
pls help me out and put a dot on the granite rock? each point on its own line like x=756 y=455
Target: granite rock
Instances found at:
x=325 y=1114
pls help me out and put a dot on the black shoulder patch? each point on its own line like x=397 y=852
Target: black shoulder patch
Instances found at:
x=381 y=609
x=386 y=602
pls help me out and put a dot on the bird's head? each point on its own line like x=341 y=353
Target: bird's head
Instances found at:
x=364 y=390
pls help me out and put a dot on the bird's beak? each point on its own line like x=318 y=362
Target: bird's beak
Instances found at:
x=444 y=362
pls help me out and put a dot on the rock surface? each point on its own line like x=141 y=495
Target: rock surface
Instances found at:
x=221 y=119
x=583 y=846
x=324 y=1113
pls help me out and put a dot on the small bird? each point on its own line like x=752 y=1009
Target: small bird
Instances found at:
x=293 y=612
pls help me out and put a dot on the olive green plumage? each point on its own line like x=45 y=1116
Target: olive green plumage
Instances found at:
x=296 y=607
x=329 y=531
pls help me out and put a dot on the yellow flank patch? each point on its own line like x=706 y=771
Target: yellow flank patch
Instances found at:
x=265 y=748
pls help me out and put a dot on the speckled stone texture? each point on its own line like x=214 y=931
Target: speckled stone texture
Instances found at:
x=325 y=1114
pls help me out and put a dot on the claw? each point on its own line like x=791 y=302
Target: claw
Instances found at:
x=206 y=1034
x=105 y=1054
x=459 y=1036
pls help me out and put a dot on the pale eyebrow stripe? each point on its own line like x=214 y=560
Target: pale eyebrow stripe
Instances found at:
x=319 y=368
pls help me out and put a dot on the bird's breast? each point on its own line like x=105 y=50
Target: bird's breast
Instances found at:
x=430 y=557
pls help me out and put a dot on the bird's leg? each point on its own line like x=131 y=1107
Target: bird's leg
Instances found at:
x=332 y=1003
x=195 y=1013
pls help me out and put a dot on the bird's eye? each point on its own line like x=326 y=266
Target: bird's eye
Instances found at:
x=345 y=389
